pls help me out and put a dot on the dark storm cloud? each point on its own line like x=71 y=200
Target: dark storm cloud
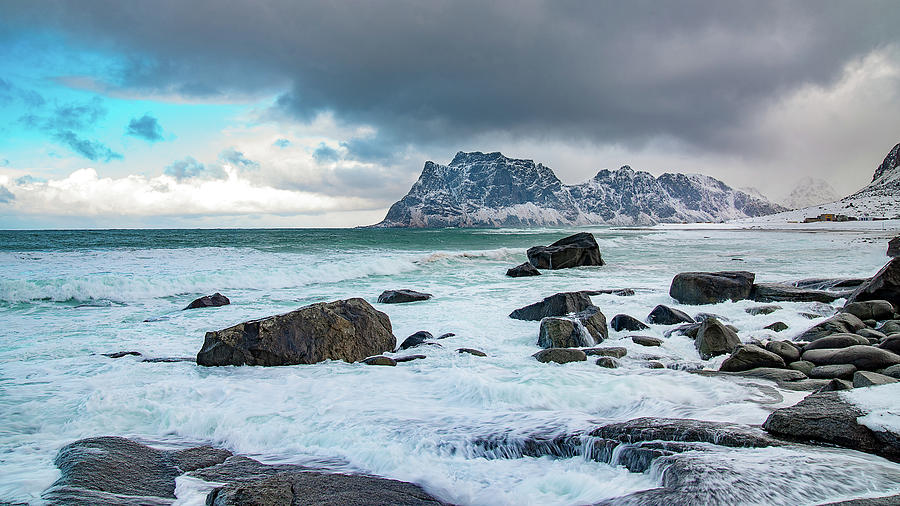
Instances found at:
x=428 y=72
x=146 y=127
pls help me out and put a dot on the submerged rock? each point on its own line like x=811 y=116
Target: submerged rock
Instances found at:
x=380 y=360
x=214 y=300
x=711 y=287
x=472 y=351
x=758 y=310
x=120 y=354
x=402 y=296
x=620 y=292
x=828 y=418
x=408 y=358
x=416 y=339
x=560 y=355
x=625 y=322
x=576 y=250
x=665 y=315
x=523 y=270
x=608 y=362
x=559 y=304
x=348 y=330
x=714 y=338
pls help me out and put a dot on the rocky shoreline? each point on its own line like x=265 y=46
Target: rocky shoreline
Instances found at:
x=856 y=348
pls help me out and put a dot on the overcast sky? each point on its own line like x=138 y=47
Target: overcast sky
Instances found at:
x=285 y=113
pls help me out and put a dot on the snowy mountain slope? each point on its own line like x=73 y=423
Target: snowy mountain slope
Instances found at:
x=879 y=199
x=489 y=190
x=810 y=192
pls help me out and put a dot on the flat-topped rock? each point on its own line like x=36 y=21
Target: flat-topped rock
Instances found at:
x=711 y=287
x=560 y=355
x=348 y=330
x=402 y=296
x=559 y=304
x=576 y=250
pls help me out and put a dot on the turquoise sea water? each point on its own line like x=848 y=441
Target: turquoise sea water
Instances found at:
x=68 y=296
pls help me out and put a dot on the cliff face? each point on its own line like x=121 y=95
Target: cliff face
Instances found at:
x=491 y=190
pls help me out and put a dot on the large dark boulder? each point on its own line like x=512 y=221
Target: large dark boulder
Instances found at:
x=785 y=292
x=560 y=355
x=870 y=309
x=625 y=322
x=866 y=358
x=714 y=338
x=841 y=323
x=785 y=350
x=402 y=296
x=836 y=341
x=894 y=247
x=828 y=418
x=348 y=330
x=523 y=270
x=214 y=300
x=665 y=315
x=711 y=287
x=749 y=356
x=884 y=285
x=594 y=322
x=891 y=343
x=559 y=304
x=112 y=470
x=563 y=333
x=573 y=251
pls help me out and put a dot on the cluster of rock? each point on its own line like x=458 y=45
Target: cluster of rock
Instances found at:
x=114 y=470
x=573 y=251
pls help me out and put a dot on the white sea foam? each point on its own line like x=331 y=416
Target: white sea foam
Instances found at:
x=880 y=405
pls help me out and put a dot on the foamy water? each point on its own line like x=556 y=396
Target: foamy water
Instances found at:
x=67 y=297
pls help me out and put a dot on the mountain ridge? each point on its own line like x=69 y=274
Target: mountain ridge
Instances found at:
x=491 y=190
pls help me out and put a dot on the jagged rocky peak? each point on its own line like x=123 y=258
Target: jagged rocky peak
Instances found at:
x=490 y=190
x=889 y=166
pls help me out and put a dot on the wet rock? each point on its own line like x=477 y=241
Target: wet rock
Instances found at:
x=523 y=270
x=576 y=250
x=472 y=351
x=402 y=296
x=214 y=300
x=884 y=285
x=608 y=362
x=836 y=385
x=559 y=304
x=777 y=327
x=870 y=309
x=748 y=356
x=611 y=351
x=594 y=321
x=416 y=339
x=120 y=354
x=891 y=343
x=783 y=292
x=828 y=418
x=781 y=376
x=167 y=360
x=871 y=334
x=380 y=360
x=894 y=247
x=408 y=358
x=348 y=330
x=836 y=371
x=714 y=338
x=113 y=470
x=890 y=327
x=758 y=310
x=646 y=340
x=688 y=329
x=665 y=315
x=686 y=430
x=702 y=317
x=871 y=379
x=624 y=322
x=562 y=333
x=711 y=287
x=653 y=364
x=620 y=292
x=841 y=323
x=836 y=341
x=892 y=371
x=560 y=355
x=445 y=336
x=866 y=358
x=893 y=500
x=803 y=366
x=785 y=350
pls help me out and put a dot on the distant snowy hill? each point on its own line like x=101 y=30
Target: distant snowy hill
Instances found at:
x=809 y=192
x=490 y=190
x=878 y=199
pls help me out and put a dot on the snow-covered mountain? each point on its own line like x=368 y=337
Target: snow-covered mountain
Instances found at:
x=879 y=199
x=809 y=192
x=490 y=190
